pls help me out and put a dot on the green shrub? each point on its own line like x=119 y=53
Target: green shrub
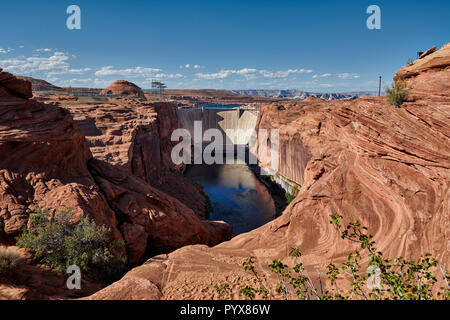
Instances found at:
x=397 y=93
x=10 y=259
x=289 y=197
x=58 y=243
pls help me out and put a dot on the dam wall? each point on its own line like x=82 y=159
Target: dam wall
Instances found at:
x=292 y=156
x=239 y=120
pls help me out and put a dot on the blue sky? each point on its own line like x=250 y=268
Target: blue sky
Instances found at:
x=321 y=46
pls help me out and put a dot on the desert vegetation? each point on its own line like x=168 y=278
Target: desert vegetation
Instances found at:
x=398 y=279
x=58 y=242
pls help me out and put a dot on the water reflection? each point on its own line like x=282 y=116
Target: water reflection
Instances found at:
x=237 y=196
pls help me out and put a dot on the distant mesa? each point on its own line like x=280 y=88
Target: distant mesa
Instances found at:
x=40 y=85
x=123 y=88
x=313 y=98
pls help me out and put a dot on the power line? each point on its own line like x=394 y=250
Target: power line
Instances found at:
x=159 y=87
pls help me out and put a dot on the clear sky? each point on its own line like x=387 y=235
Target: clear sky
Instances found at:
x=321 y=46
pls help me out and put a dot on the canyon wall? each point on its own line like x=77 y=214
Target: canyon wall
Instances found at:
x=136 y=136
x=293 y=156
x=43 y=162
x=364 y=159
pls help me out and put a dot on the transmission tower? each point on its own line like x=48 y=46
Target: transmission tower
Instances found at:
x=158 y=89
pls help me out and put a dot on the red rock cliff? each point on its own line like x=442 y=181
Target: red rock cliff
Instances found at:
x=135 y=135
x=46 y=163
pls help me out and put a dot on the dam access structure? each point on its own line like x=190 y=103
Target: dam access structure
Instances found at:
x=242 y=120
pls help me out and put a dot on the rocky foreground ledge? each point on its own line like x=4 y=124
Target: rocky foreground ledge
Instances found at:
x=46 y=162
x=387 y=167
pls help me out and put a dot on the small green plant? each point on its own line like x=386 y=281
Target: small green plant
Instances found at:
x=223 y=288
x=398 y=279
x=289 y=197
x=250 y=292
x=58 y=243
x=397 y=93
x=224 y=291
x=10 y=258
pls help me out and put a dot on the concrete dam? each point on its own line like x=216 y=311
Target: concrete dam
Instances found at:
x=239 y=120
x=244 y=122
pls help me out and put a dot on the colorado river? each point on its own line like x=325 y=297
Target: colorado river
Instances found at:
x=237 y=196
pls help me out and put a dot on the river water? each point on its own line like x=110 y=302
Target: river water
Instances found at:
x=237 y=196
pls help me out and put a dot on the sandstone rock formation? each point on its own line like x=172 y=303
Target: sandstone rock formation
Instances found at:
x=43 y=162
x=31 y=281
x=365 y=159
x=429 y=51
x=124 y=88
x=136 y=136
x=429 y=79
x=152 y=221
x=46 y=163
x=302 y=95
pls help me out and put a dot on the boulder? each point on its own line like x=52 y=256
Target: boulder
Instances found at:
x=424 y=54
x=11 y=85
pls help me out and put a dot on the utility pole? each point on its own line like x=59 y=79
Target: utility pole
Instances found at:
x=379 y=85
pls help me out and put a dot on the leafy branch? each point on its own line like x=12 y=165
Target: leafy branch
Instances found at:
x=384 y=279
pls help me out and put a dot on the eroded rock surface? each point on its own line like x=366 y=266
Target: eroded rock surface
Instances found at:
x=136 y=136
x=43 y=162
